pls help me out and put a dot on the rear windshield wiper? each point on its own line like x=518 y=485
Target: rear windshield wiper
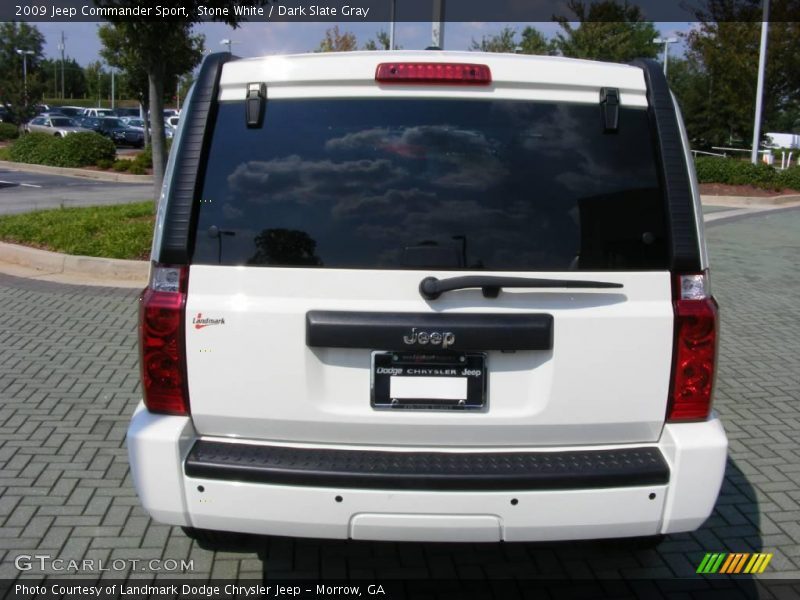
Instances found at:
x=431 y=288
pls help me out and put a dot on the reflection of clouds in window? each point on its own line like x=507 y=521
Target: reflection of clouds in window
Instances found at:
x=292 y=179
x=230 y=212
x=455 y=157
x=390 y=203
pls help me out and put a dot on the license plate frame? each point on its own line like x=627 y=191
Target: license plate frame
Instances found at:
x=406 y=366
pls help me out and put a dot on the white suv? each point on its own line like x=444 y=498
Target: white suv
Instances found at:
x=429 y=296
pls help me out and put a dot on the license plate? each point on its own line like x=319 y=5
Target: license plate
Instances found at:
x=416 y=381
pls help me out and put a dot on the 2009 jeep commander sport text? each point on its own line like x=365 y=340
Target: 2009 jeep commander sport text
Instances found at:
x=429 y=296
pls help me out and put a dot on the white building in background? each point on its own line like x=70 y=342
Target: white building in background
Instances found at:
x=783 y=140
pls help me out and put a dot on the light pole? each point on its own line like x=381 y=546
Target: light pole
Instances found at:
x=762 y=62
x=437 y=24
x=62 y=47
x=391 y=25
x=25 y=54
x=228 y=42
x=666 y=42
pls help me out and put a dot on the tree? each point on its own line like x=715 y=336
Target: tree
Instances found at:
x=336 y=41
x=606 y=30
x=22 y=36
x=164 y=46
x=159 y=51
x=74 y=78
x=98 y=81
x=722 y=53
x=532 y=42
x=381 y=42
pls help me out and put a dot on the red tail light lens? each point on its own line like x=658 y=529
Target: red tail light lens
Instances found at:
x=427 y=73
x=695 y=352
x=161 y=341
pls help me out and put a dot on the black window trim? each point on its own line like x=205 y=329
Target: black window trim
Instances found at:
x=684 y=244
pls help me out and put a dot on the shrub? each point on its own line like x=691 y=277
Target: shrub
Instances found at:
x=135 y=169
x=5 y=153
x=736 y=172
x=84 y=148
x=104 y=163
x=790 y=178
x=121 y=165
x=8 y=131
x=145 y=157
x=34 y=148
x=74 y=150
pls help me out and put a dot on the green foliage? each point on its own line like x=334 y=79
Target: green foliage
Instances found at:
x=741 y=172
x=36 y=148
x=336 y=41
x=5 y=153
x=74 y=79
x=607 y=30
x=381 y=42
x=84 y=148
x=723 y=52
x=74 y=150
x=145 y=158
x=790 y=178
x=8 y=131
x=104 y=163
x=121 y=165
x=120 y=231
x=22 y=36
x=136 y=169
x=532 y=42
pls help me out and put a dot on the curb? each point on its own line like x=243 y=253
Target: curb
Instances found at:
x=111 y=269
x=82 y=173
x=755 y=201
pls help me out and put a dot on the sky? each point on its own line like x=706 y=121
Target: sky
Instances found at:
x=258 y=39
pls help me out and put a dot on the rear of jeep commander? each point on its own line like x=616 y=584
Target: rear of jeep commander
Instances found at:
x=429 y=296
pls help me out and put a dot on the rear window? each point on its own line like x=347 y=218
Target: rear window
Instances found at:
x=451 y=184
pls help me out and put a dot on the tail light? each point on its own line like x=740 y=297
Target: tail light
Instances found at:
x=161 y=341
x=441 y=73
x=695 y=352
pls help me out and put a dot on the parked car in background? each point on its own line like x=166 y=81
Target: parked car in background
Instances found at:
x=51 y=113
x=172 y=121
x=136 y=123
x=4 y=116
x=98 y=112
x=128 y=112
x=119 y=132
x=58 y=125
x=70 y=111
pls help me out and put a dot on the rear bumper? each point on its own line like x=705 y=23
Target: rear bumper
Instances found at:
x=257 y=489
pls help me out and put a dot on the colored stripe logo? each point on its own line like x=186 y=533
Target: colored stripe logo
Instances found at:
x=733 y=563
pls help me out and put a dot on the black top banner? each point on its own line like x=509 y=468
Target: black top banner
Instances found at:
x=397 y=10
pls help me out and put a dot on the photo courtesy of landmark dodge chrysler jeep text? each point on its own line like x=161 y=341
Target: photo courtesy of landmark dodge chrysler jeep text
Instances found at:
x=428 y=296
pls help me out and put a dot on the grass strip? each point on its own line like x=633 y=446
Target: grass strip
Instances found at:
x=118 y=231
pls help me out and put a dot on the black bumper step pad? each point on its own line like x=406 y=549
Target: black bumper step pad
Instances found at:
x=454 y=471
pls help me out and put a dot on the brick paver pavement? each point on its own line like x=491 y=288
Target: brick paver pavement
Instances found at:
x=69 y=382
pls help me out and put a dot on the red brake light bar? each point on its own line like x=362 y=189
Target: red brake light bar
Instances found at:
x=437 y=73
